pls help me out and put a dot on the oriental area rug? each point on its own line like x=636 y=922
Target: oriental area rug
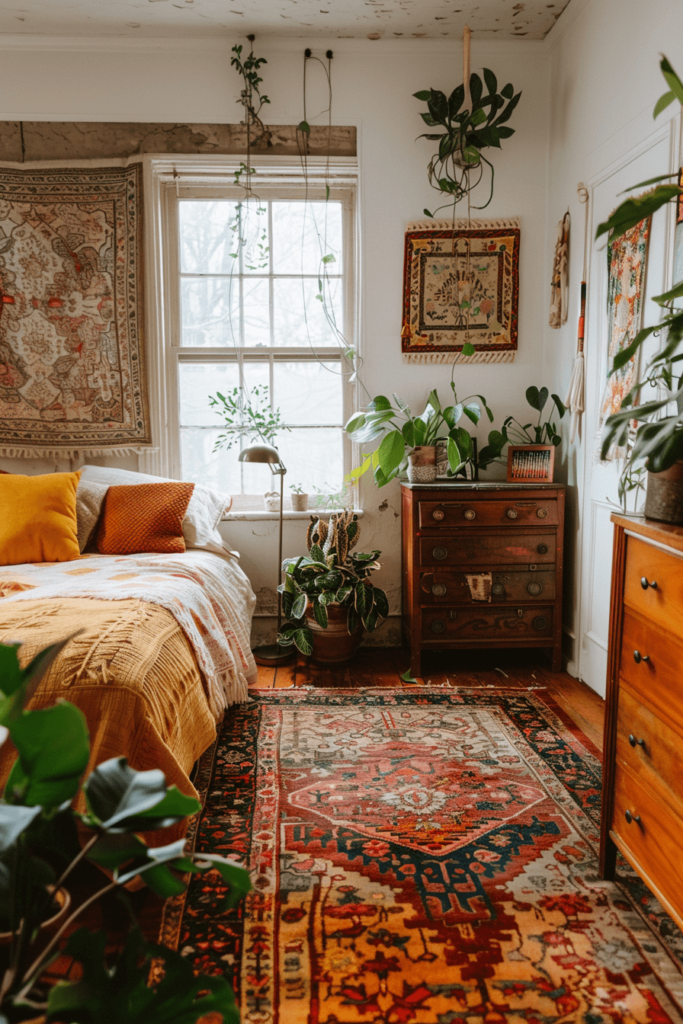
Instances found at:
x=419 y=857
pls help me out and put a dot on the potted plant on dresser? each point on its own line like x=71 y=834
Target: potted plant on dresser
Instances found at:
x=327 y=596
x=531 y=445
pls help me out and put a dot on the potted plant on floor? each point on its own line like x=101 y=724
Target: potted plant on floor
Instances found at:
x=38 y=830
x=327 y=596
x=656 y=444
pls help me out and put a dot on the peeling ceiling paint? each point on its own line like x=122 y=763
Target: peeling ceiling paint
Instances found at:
x=376 y=19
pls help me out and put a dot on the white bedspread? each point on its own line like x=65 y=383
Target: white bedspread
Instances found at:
x=209 y=596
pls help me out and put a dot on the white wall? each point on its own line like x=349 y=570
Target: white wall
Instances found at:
x=373 y=86
x=604 y=82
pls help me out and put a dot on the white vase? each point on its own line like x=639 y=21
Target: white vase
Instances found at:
x=271 y=501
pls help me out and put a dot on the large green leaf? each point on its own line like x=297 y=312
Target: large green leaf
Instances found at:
x=303 y=640
x=537 y=398
x=53 y=749
x=379 y=403
x=363 y=599
x=391 y=451
x=473 y=411
x=381 y=602
x=632 y=211
x=672 y=79
x=320 y=612
x=299 y=606
x=122 y=995
x=18 y=685
x=14 y=820
x=124 y=800
x=661 y=104
x=455 y=460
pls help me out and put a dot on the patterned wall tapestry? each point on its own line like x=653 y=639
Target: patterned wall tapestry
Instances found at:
x=71 y=313
x=626 y=261
x=461 y=284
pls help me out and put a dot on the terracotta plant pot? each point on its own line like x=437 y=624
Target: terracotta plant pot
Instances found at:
x=299 y=502
x=664 y=500
x=422 y=464
x=334 y=645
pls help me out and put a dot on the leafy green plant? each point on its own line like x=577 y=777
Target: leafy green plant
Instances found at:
x=250 y=96
x=246 y=414
x=38 y=827
x=658 y=440
x=465 y=133
x=296 y=488
x=514 y=432
x=401 y=432
x=330 y=575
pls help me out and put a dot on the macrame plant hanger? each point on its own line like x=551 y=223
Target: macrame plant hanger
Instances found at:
x=575 y=394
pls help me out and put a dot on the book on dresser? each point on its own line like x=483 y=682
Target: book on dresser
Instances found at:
x=482 y=566
x=642 y=803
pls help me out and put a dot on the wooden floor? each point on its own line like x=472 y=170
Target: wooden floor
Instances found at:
x=383 y=666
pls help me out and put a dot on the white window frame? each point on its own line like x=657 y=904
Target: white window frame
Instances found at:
x=168 y=179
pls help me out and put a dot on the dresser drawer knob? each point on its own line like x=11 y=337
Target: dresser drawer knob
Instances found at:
x=498 y=590
x=440 y=553
x=631 y=817
x=542 y=549
x=636 y=743
x=511 y=513
x=638 y=657
x=470 y=514
x=540 y=622
x=439 y=589
x=542 y=513
x=645 y=583
x=438 y=514
x=534 y=589
x=438 y=626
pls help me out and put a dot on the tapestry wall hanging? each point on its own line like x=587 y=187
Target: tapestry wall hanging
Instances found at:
x=71 y=312
x=626 y=263
x=461 y=285
x=559 y=284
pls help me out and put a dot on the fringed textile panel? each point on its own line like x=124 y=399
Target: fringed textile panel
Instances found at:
x=71 y=312
x=461 y=284
x=419 y=856
x=626 y=262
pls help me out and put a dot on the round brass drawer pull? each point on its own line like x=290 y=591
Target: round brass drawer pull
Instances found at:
x=511 y=513
x=540 y=622
x=470 y=514
x=631 y=817
x=645 y=583
x=498 y=590
x=542 y=549
x=636 y=743
x=439 y=589
x=440 y=553
x=542 y=513
x=638 y=657
x=534 y=589
x=438 y=514
x=438 y=626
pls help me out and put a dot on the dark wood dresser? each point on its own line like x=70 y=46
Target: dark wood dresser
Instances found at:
x=642 y=806
x=482 y=567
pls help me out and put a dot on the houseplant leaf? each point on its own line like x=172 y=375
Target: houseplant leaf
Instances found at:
x=391 y=451
x=53 y=749
x=124 y=800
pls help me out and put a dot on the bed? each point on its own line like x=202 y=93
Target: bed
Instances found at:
x=163 y=650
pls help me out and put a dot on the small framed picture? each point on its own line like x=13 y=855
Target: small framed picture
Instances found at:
x=531 y=463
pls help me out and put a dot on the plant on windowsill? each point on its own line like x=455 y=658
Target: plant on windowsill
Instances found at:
x=409 y=442
x=515 y=433
x=656 y=446
x=299 y=498
x=38 y=830
x=327 y=596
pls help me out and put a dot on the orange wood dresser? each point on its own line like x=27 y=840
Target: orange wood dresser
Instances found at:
x=642 y=807
x=508 y=535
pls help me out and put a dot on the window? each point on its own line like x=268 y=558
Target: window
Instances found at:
x=244 y=312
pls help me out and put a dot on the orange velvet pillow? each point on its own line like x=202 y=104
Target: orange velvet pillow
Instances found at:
x=38 y=518
x=144 y=517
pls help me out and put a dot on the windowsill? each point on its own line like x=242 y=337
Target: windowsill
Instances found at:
x=259 y=515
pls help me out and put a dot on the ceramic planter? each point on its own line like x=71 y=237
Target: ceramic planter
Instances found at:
x=664 y=500
x=422 y=464
x=334 y=645
x=271 y=501
x=299 y=502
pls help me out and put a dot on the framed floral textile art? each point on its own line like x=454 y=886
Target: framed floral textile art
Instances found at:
x=460 y=285
x=626 y=264
x=71 y=312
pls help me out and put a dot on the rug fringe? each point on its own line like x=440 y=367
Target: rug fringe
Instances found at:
x=458 y=357
x=61 y=454
x=462 y=225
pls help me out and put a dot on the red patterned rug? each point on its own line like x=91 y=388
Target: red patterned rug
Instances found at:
x=420 y=856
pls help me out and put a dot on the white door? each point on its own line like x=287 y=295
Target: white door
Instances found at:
x=599 y=492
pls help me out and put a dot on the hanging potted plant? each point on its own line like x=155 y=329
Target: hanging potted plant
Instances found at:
x=656 y=444
x=328 y=596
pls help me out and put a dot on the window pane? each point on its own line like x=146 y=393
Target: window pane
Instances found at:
x=199 y=463
x=207 y=236
x=305 y=232
x=314 y=458
x=256 y=306
x=209 y=317
x=301 y=319
x=253 y=228
x=308 y=392
x=196 y=382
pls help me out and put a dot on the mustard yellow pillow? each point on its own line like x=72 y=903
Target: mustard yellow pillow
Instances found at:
x=38 y=518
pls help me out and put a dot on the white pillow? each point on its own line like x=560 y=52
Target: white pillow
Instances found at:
x=204 y=512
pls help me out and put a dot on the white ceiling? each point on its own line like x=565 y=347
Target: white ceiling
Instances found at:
x=531 y=19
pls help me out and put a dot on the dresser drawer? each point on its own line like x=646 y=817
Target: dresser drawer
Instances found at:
x=662 y=603
x=650 y=749
x=438 y=587
x=653 y=843
x=487 y=622
x=656 y=677
x=501 y=547
x=512 y=512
